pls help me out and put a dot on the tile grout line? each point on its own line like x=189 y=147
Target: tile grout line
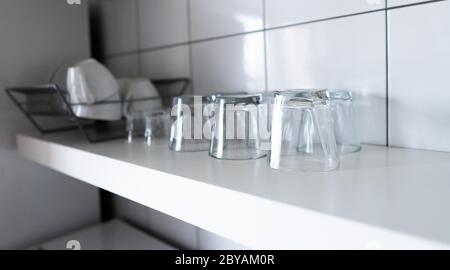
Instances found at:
x=269 y=29
x=386 y=22
x=266 y=68
x=120 y=54
x=191 y=59
x=138 y=36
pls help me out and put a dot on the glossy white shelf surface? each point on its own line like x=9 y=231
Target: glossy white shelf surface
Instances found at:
x=379 y=198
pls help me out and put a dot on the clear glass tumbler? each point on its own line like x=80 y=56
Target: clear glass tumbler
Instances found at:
x=157 y=125
x=239 y=129
x=148 y=124
x=302 y=132
x=191 y=123
x=135 y=125
x=344 y=123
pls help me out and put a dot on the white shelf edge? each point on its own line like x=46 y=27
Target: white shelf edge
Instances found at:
x=252 y=221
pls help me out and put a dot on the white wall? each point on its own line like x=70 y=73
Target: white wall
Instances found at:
x=394 y=55
x=35 y=203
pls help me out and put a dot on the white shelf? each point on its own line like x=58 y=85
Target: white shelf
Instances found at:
x=112 y=235
x=379 y=198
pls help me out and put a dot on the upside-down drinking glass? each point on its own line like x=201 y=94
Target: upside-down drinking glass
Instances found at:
x=148 y=124
x=135 y=125
x=240 y=127
x=157 y=125
x=302 y=132
x=191 y=123
x=343 y=119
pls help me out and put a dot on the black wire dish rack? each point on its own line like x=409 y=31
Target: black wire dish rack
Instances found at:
x=49 y=109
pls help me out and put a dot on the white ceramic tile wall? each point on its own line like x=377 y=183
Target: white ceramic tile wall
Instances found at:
x=124 y=65
x=119 y=25
x=229 y=65
x=285 y=12
x=162 y=22
x=347 y=53
x=166 y=63
x=419 y=81
x=210 y=18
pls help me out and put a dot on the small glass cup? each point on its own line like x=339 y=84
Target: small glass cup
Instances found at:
x=135 y=125
x=239 y=129
x=147 y=124
x=157 y=125
x=344 y=123
x=302 y=132
x=191 y=123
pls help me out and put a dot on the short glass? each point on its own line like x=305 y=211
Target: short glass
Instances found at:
x=302 y=132
x=135 y=125
x=343 y=120
x=147 y=124
x=191 y=123
x=157 y=125
x=240 y=127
